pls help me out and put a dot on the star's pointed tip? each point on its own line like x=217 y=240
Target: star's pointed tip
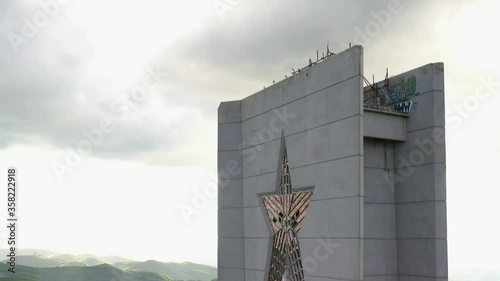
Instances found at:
x=283 y=143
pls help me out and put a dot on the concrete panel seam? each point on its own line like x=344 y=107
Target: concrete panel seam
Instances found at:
x=228 y=150
x=315 y=92
x=421 y=165
x=379 y=203
x=442 y=239
x=308 y=238
x=426 y=128
x=332 y=278
x=381 y=239
x=425 y=276
x=296 y=133
x=228 y=267
x=253 y=269
x=307 y=165
x=417 y=202
x=242 y=193
x=385 y=169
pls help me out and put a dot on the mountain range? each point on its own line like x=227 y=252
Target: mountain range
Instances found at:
x=48 y=266
x=43 y=265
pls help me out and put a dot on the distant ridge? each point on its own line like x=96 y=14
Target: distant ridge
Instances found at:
x=64 y=267
x=67 y=257
x=175 y=271
x=103 y=272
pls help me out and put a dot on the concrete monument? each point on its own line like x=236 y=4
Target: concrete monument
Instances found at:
x=369 y=164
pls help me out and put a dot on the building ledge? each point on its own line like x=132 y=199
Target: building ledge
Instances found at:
x=384 y=125
x=378 y=110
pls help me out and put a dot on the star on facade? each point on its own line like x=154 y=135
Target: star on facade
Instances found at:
x=286 y=211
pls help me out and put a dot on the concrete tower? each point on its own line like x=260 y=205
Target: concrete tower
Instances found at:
x=373 y=158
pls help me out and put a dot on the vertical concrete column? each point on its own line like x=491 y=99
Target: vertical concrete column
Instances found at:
x=420 y=179
x=231 y=252
x=320 y=111
x=380 y=240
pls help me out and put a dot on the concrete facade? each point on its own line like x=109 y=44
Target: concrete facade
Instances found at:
x=378 y=210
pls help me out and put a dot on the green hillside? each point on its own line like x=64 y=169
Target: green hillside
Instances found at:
x=70 y=273
x=56 y=260
x=50 y=266
x=38 y=261
x=66 y=257
x=175 y=271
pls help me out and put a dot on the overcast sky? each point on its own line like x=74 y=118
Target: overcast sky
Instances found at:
x=149 y=75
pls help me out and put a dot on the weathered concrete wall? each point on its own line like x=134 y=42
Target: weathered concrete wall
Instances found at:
x=415 y=212
x=420 y=181
x=380 y=241
x=231 y=252
x=320 y=110
x=382 y=125
x=378 y=210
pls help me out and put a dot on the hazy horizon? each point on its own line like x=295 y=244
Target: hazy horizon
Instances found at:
x=42 y=253
x=109 y=110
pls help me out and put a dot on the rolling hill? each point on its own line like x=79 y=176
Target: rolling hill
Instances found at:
x=67 y=257
x=51 y=266
x=38 y=261
x=52 y=261
x=103 y=272
x=175 y=271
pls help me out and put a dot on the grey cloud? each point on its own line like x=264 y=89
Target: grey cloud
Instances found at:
x=258 y=42
x=40 y=89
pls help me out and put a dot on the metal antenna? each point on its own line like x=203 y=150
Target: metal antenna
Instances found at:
x=387 y=78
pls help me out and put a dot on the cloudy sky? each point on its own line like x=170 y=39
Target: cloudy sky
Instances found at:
x=108 y=109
